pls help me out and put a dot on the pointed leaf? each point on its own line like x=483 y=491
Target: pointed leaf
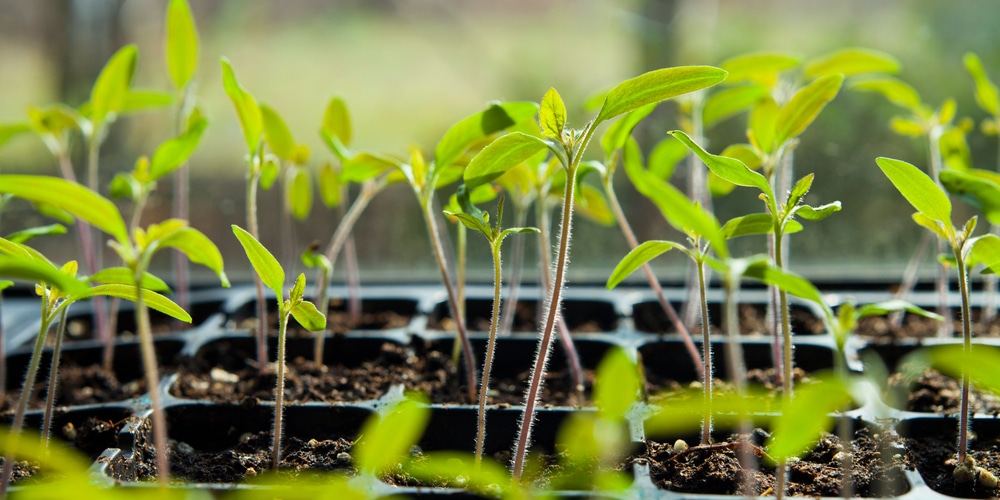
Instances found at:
x=138 y=101
x=174 y=152
x=805 y=106
x=614 y=138
x=932 y=225
x=71 y=197
x=472 y=222
x=755 y=224
x=269 y=172
x=763 y=125
x=656 y=86
x=817 y=213
x=502 y=154
x=306 y=314
x=124 y=276
x=639 y=256
x=552 y=115
x=907 y=127
x=337 y=121
x=246 y=107
x=986 y=90
x=685 y=215
x=386 y=441
x=329 y=186
x=276 y=133
x=760 y=67
x=800 y=189
x=461 y=135
x=300 y=193
x=366 y=165
x=198 y=249
x=895 y=90
x=263 y=262
x=591 y=204
x=729 y=169
x=112 y=86
x=979 y=191
x=181 y=43
x=27 y=234
x=785 y=280
x=918 y=189
x=852 y=61
x=152 y=299
x=889 y=306
x=731 y=102
x=20 y=268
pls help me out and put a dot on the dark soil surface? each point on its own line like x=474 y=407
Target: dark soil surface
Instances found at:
x=932 y=392
x=715 y=469
x=753 y=321
x=336 y=321
x=79 y=385
x=427 y=371
x=880 y=329
x=934 y=456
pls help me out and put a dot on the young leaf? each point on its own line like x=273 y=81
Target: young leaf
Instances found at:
x=181 y=44
x=300 y=193
x=461 y=135
x=761 y=67
x=29 y=269
x=656 y=86
x=152 y=299
x=276 y=133
x=616 y=135
x=308 y=316
x=639 y=255
x=329 y=186
x=686 y=216
x=27 y=234
x=889 y=306
x=386 y=441
x=731 y=102
x=124 y=276
x=799 y=190
x=337 y=121
x=617 y=384
x=266 y=266
x=174 y=152
x=804 y=417
x=246 y=107
x=112 y=85
x=918 y=189
x=805 y=106
x=979 y=191
x=729 y=169
x=198 y=249
x=850 y=62
x=755 y=224
x=502 y=154
x=785 y=280
x=986 y=250
x=817 y=213
x=895 y=90
x=986 y=90
x=591 y=204
x=79 y=201
x=269 y=172
x=763 y=125
x=552 y=115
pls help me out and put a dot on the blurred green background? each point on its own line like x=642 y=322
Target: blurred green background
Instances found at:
x=410 y=68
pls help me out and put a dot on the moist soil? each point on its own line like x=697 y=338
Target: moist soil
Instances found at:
x=879 y=329
x=413 y=366
x=338 y=322
x=931 y=392
x=715 y=469
x=934 y=457
x=525 y=321
x=79 y=385
x=752 y=317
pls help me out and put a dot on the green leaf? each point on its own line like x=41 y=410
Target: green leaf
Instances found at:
x=685 y=215
x=763 y=125
x=805 y=417
x=614 y=138
x=266 y=266
x=314 y=259
x=800 y=189
x=918 y=189
x=895 y=90
x=386 y=441
x=785 y=280
x=932 y=225
x=617 y=384
x=329 y=186
x=276 y=133
x=850 y=62
x=112 y=86
x=197 y=247
x=174 y=152
x=463 y=134
x=986 y=90
x=729 y=169
x=731 y=102
x=15 y=249
x=502 y=154
x=684 y=413
x=124 y=276
x=9 y=131
x=79 y=201
x=518 y=230
x=979 y=364
x=639 y=256
x=633 y=162
x=744 y=153
x=5 y=284
x=21 y=268
x=144 y=100
x=986 y=250
x=761 y=67
x=300 y=193
x=27 y=234
x=181 y=43
x=269 y=172
x=665 y=156
x=817 y=213
x=308 y=316
x=755 y=224
x=890 y=306
x=552 y=115
x=980 y=191
x=337 y=121
x=656 y=86
x=366 y=166
x=906 y=126
x=591 y=204
x=487 y=477
x=152 y=299
x=805 y=106
x=954 y=149
x=246 y=107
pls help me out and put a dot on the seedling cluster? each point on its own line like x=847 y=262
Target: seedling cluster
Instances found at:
x=530 y=156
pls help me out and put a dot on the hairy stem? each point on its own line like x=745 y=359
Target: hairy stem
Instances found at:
x=279 y=390
x=963 y=422
x=488 y=363
x=706 y=428
x=50 y=396
x=737 y=373
x=253 y=178
x=152 y=382
x=654 y=283
x=456 y=347
x=456 y=311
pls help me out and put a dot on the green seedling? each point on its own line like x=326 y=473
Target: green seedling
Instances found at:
x=934 y=213
x=568 y=146
x=305 y=312
x=477 y=220
x=251 y=121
